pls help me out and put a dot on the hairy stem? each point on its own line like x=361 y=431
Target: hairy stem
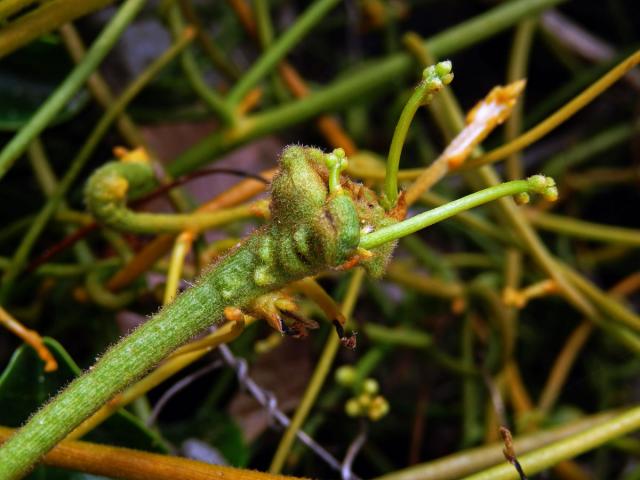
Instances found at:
x=310 y=232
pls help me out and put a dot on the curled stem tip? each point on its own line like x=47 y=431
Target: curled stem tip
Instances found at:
x=545 y=186
x=434 y=78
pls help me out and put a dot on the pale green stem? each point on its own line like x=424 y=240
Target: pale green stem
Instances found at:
x=422 y=220
x=191 y=70
x=98 y=86
x=518 y=61
x=155 y=223
x=468 y=461
x=434 y=78
x=263 y=21
x=587 y=230
x=9 y=7
x=591 y=147
x=566 y=449
x=277 y=50
x=58 y=99
x=606 y=303
x=66 y=269
x=39 y=21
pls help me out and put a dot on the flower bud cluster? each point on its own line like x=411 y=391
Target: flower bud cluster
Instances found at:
x=366 y=401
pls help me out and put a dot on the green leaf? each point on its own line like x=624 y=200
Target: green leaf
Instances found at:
x=24 y=387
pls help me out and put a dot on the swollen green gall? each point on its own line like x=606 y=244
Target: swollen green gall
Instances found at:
x=311 y=230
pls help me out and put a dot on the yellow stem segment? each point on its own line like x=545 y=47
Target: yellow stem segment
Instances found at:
x=560 y=116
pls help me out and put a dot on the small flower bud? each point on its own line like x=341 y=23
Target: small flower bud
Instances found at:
x=345 y=375
x=353 y=408
x=550 y=194
x=522 y=198
x=337 y=159
x=447 y=79
x=538 y=183
x=370 y=386
x=364 y=399
x=378 y=408
x=443 y=68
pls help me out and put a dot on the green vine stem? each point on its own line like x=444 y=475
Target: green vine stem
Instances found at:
x=290 y=38
x=535 y=184
x=113 y=184
x=434 y=78
x=56 y=101
x=99 y=88
x=193 y=74
x=380 y=74
x=582 y=229
x=9 y=7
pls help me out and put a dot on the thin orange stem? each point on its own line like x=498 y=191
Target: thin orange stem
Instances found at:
x=576 y=341
x=519 y=298
x=128 y=464
x=310 y=288
x=562 y=365
x=250 y=101
x=245 y=16
x=520 y=398
x=30 y=337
